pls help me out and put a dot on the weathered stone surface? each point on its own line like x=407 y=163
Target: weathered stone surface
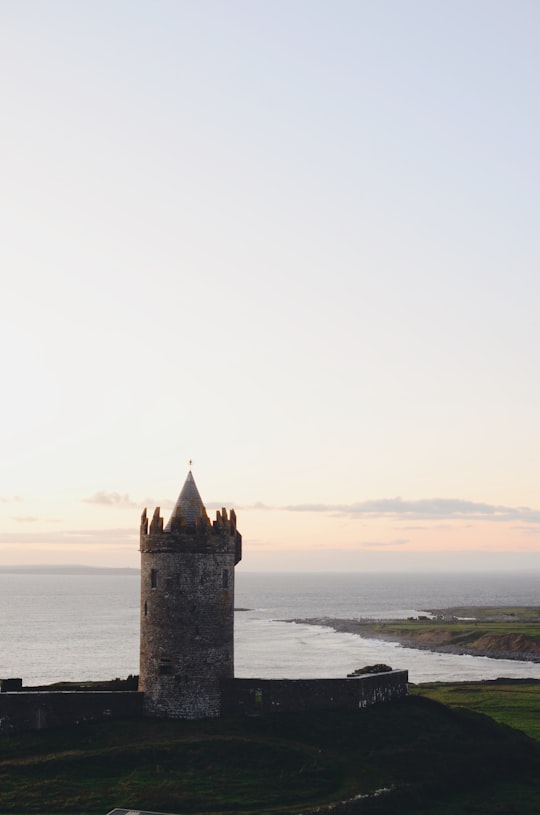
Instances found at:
x=11 y=684
x=284 y=695
x=187 y=608
x=36 y=711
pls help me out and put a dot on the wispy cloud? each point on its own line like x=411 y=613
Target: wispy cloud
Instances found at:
x=14 y=499
x=383 y=544
x=414 y=528
x=425 y=509
x=118 y=500
x=25 y=519
x=72 y=537
x=235 y=506
x=163 y=504
x=255 y=543
x=430 y=526
x=110 y=499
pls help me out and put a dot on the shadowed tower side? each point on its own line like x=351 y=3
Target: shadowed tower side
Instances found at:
x=187 y=607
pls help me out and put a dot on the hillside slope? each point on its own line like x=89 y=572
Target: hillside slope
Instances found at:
x=387 y=759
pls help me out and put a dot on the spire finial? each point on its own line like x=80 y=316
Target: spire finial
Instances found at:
x=190 y=462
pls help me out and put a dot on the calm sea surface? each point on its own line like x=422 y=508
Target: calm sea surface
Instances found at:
x=81 y=627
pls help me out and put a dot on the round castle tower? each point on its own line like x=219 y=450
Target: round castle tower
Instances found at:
x=187 y=607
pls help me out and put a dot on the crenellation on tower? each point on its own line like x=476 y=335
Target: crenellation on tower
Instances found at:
x=144 y=522
x=156 y=524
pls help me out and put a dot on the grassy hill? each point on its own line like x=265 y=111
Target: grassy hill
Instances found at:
x=514 y=702
x=496 y=639
x=428 y=758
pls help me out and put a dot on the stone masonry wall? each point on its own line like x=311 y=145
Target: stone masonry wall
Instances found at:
x=253 y=696
x=187 y=625
x=187 y=617
x=40 y=710
x=44 y=709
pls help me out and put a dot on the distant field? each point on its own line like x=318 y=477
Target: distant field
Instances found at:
x=512 y=702
x=429 y=758
x=500 y=632
x=510 y=614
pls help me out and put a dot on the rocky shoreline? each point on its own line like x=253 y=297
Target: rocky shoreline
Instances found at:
x=507 y=646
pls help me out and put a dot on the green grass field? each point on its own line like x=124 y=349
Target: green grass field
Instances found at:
x=461 y=631
x=432 y=757
x=465 y=620
x=514 y=703
x=508 y=614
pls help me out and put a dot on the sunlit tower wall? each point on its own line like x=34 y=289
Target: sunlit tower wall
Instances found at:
x=187 y=608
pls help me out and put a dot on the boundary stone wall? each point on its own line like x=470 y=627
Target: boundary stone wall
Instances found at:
x=40 y=710
x=253 y=696
x=37 y=710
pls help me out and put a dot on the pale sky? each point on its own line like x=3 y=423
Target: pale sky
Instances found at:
x=295 y=241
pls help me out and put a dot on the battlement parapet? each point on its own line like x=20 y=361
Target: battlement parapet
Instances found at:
x=203 y=536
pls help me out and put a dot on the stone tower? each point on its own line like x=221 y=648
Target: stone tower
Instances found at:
x=187 y=607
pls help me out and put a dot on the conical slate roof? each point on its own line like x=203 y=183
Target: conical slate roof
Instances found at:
x=189 y=504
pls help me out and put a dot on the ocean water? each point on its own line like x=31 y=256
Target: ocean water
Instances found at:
x=86 y=626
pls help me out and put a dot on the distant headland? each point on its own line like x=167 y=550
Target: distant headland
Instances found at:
x=68 y=569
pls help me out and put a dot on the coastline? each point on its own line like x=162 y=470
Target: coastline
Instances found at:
x=372 y=630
